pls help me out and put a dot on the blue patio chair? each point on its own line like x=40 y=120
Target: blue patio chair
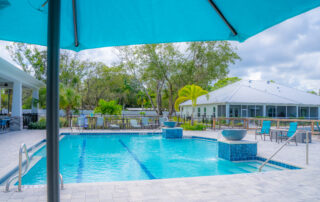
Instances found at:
x=81 y=122
x=145 y=122
x=288 y=134
x=265 y=130
x=162 y=120
x=3 y=124
x=100 y=122
x=134 y=123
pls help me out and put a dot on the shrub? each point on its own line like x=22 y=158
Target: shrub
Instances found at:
x=194 y=127
x=41 y=124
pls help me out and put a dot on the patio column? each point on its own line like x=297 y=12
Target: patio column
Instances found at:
x=16 y=114
x=227 y=110
x=264 y=110
x=297 y=111
x=0 y=101
x=35 y=97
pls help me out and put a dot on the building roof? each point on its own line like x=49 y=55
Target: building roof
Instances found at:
x=258 y=92
x=10 y=73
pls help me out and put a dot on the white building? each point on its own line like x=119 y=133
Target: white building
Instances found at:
x=14 y=78
x=253 y=99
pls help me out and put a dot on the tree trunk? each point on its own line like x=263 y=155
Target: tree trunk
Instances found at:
x=159 y=97
x=171 y=102
x=193 y=108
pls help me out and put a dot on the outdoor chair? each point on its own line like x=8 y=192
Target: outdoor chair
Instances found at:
x=162 y=120
x=3 y=124
x=265 y=130
x=288 y=134
x=145 y=122
x=134 y=123
x=81 y=122
x=100 y=122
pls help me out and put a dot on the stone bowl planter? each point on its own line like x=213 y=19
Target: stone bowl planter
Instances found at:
x=170 y=124
x=234 y=134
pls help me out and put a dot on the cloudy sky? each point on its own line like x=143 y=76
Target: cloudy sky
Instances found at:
x=288 y=53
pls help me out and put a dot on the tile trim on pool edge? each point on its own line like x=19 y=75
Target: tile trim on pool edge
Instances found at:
x=81 y=161
x=144 y=168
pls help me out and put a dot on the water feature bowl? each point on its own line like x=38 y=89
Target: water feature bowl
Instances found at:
x=170 y=124
x=234 y=134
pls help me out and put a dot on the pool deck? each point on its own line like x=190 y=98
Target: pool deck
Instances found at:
x=288 y=185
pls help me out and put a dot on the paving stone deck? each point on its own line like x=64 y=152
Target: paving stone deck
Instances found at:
x=288 y=185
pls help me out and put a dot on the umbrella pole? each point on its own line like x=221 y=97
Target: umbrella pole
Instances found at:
x=53 y=45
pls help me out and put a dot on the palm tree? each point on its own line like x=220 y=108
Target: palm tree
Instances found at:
x=190 y=92
x=69 y=100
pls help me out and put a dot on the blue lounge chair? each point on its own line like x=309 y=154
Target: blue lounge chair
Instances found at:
x=265 y=130
x=162 y=120
x=145 y=122
x=292 y=130
x=134 y=123
x=100 y=122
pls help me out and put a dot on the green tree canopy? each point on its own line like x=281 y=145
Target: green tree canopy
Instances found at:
x=110 y=108
x=224 y=82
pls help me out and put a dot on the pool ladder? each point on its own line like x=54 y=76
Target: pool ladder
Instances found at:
x=23 y=149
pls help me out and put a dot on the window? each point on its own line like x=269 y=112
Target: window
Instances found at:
x=214 y=112
x=271 y=111
x=234 y=111
x=205 y=111
x=199 y=111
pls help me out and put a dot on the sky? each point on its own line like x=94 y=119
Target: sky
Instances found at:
x=288 y=53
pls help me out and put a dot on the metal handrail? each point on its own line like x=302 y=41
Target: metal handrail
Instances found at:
x=20 y=174
x=276 y=152
x=23 y=148
x=61 y=181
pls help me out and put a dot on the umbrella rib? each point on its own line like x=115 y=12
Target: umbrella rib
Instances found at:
x=76 y=42
x=234 y=32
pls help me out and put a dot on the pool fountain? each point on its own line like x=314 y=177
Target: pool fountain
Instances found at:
x=170 y=131
x=234 y=148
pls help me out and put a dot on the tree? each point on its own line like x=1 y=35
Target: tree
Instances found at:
x=224 y=82
x=111 y=107
x=69 y=100
x=190 y=92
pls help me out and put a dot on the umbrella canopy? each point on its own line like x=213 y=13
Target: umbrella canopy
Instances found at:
x=100 y=23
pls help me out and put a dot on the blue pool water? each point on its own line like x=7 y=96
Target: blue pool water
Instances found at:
x=103 y=158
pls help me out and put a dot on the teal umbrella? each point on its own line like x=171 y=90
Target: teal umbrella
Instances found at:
x=84 y=24
x=100 y=23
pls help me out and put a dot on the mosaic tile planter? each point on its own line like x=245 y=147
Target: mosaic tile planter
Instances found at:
x=237 y=150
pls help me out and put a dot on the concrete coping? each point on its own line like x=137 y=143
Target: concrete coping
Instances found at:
x=238 y=142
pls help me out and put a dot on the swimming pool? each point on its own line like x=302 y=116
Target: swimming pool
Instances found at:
x=104 y=158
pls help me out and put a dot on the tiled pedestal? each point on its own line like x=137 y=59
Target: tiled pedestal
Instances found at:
x=172 y=133
x=237 y=150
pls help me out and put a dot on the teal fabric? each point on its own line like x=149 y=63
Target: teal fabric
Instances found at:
x=266 y=125
x=292 y=129
x=103 y=23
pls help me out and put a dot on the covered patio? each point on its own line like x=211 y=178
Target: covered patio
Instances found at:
x=13 y=81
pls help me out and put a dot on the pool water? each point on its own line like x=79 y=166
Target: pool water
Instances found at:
x=104 y=158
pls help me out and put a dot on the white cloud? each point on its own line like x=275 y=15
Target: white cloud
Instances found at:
x=288 y=53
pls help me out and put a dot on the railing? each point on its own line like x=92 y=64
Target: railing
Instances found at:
x=279 y=149
x=23 y=149
x=28 y=118
x=61 y=181
x=19 y=176
x=255 y=123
